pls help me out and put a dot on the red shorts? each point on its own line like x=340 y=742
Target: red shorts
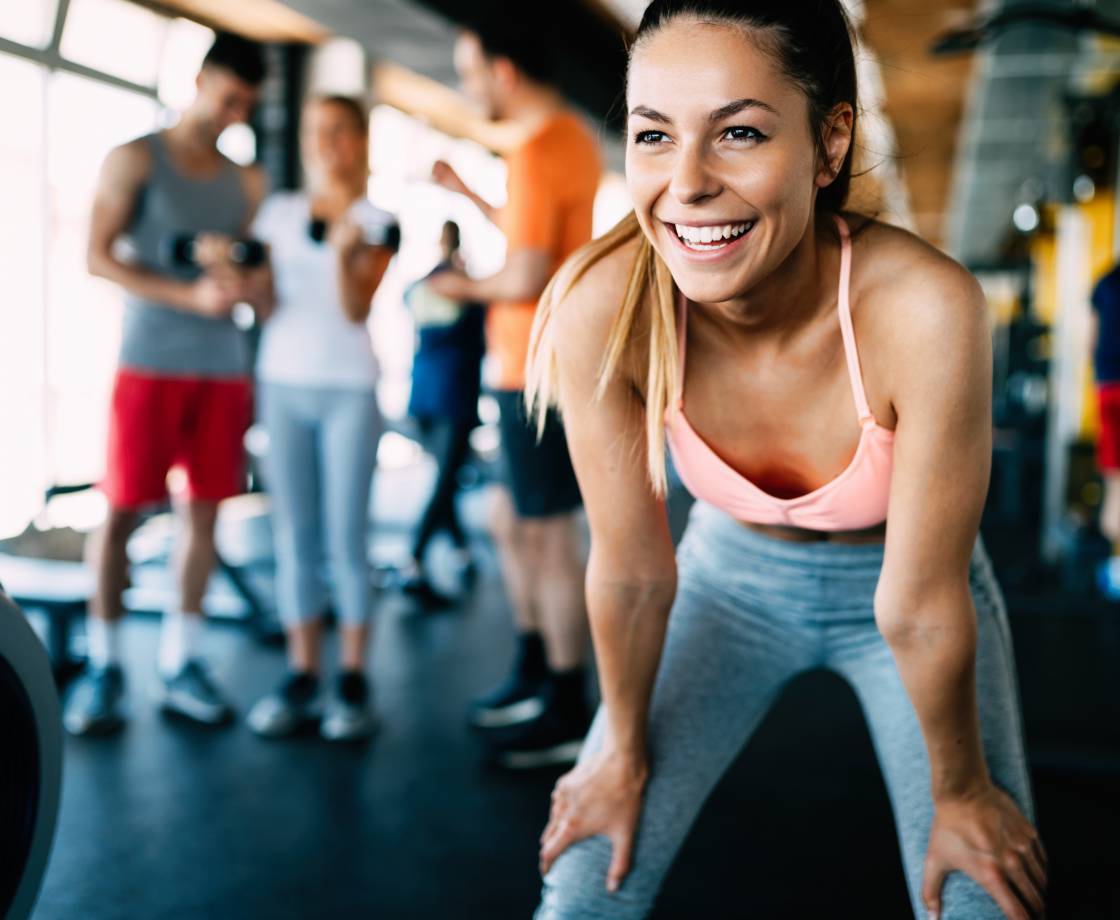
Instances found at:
x=156 y=423
x=1108 y=440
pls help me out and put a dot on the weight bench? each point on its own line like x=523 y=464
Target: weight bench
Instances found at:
x=59 y=591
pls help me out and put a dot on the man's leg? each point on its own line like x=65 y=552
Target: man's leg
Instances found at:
x=96 y=704
x=518 y=698
x=143 y=415
x=186 y=686
x=556 y=733
x=106 y=554
x=546 y=497
x=213 y=453
x=195 y=558
x=559 y=591
x=518 y=549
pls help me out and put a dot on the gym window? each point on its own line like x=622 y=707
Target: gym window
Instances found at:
x=79 y=78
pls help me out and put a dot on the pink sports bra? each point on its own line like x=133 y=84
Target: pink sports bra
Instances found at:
x=854 y=500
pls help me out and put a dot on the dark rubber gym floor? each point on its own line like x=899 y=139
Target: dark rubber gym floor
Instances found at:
x=168 y=820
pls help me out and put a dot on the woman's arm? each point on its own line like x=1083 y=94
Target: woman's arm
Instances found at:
x=360 y=268
x=631 y=574
x=259 y=290
x=940 y=364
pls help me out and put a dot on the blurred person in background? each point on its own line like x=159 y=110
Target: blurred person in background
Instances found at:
x=444 y=402
x=329 y=247
x=181 y=395
x=1106 y=368
x=539 y=714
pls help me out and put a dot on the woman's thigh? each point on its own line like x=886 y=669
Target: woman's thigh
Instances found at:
x=723 y=664
x=866 y=661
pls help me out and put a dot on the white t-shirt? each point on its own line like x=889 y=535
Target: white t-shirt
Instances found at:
x=309 y=340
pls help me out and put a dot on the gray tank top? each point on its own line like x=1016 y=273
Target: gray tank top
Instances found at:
x=160 y=338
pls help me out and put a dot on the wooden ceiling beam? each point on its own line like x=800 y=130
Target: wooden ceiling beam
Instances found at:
x=262 y=20
x=925 y=97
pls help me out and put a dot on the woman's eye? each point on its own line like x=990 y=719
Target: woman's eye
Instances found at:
x=649 y=137
x=744 y=134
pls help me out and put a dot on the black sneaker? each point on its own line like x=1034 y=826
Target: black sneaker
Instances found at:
x=421 y=589
x=519 y=698
x=555 y=737
x=349 y=715
x=295 y=704
x=192 y=693
x=96 y=705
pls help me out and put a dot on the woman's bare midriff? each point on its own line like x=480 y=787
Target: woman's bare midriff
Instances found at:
x=874 y=534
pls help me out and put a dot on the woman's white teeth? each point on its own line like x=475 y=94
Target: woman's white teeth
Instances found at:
x=708 y=235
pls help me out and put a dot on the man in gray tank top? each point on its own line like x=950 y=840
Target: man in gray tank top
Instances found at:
x=181 y=395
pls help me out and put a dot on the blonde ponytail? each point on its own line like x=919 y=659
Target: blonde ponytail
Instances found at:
x=648 y=310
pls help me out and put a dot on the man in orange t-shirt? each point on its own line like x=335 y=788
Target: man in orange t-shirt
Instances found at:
x=541 y=709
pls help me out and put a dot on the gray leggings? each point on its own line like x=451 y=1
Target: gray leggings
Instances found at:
x=751 y=613
x=321 y=455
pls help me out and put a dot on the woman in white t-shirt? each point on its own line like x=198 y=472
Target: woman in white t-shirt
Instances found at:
x=329 y=248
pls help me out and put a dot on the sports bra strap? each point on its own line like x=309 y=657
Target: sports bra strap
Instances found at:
x=855 y=377
x=844 y=307
x=682 y=344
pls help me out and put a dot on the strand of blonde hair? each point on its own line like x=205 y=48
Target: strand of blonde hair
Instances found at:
x=647 y=312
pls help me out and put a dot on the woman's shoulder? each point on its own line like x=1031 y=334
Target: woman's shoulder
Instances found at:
x=902 y=282
x=589 y=290
x=278 y=206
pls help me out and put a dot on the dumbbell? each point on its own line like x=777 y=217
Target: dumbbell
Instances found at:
x=387 y=236
x=180 y=249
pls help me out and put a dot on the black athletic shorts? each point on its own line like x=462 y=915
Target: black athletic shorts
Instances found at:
x=539 y=474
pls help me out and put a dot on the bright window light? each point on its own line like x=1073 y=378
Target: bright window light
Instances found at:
x=22 y=479
x=183 y=50
x=85 y=119
x=239 y=144
x=29 y=22
x=115 y=37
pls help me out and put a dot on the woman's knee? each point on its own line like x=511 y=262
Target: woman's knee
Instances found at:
x=298 y=543
x=348 y=554
x=576 y=887
x=964 y=899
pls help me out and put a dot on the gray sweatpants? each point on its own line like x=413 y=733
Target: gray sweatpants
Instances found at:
x=321 y=456
x=751 y=613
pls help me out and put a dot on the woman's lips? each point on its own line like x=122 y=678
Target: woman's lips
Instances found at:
x=699 y=251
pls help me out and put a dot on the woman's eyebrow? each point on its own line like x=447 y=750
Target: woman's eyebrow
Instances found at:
x=733 y=108
x=724 y=111
x=652 y=114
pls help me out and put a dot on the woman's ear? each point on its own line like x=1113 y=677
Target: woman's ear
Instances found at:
x=837 y=141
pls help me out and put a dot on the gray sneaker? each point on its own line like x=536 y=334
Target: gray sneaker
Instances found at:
x=295 y=704
x=192 y=693
x=349 y=715
x=96 y=705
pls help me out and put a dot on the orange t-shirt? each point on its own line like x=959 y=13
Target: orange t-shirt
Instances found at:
x=551 y=189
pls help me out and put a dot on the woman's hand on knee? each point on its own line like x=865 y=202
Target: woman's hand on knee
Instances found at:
x=601 y=795
x=988 y=838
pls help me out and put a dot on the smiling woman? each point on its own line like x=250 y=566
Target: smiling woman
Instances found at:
x=811 y=422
